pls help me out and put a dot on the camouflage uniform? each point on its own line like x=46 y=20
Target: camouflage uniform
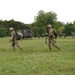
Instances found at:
x=51 y=38
x=13 y=39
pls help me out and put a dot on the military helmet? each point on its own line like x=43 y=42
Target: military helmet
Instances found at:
x=49 y=26
x=11 y=28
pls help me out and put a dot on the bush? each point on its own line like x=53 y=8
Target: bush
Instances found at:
x=3 y=32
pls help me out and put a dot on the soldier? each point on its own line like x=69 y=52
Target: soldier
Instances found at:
x=42 y=35
x=51 y=37
x=13 y=39
x=73 y=34
x=65 y=35
x=60 y=35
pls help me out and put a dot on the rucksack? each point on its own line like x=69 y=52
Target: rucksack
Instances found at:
x=55 y=34
x=19 y=35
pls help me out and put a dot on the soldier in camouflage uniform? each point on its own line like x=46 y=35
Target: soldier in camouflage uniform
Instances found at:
x=13 y=39
x=51 y=38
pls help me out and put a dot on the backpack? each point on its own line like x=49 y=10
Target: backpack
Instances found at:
x=55 y=34
x=19 y=35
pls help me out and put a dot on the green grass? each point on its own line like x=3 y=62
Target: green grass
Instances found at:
x=37 y=59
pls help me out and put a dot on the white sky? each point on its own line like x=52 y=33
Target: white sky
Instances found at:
x=25 y=10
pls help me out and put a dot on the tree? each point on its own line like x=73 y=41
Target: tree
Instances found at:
x=74 y=26
x=4 y=26
x=57 y=25
x=61 y=29
x=68 y=28
x=51 y=18
x=3 y=31
x=43 y=19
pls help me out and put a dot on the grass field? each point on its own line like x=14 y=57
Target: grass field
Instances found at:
x=37 y=59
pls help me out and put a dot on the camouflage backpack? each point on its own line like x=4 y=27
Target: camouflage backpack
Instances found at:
x=55 y=33
x=19 y=35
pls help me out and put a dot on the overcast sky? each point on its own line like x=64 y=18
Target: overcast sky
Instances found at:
x=25 y=10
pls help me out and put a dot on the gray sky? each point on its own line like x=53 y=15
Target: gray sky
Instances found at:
x=25 y=10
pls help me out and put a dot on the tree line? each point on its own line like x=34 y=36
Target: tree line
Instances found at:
x=5 y=25
x=39 y=25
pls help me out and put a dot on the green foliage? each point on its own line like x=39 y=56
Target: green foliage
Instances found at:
x=57 y=25
x=61 y=30
x=51 y=17
x=34 y=31
x=43 y=19
x=4 y=26
x=68 y=28
x=3 y=32
x=39 y=25
x=15 y=24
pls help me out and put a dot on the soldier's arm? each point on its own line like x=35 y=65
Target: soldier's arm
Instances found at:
x=11 y=38
x=46 y=37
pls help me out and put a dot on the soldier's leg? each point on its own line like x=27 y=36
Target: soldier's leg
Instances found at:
x=13 y=46
x=56 y=46
x=53 y=44
x=18 y=46
x=49 y=43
